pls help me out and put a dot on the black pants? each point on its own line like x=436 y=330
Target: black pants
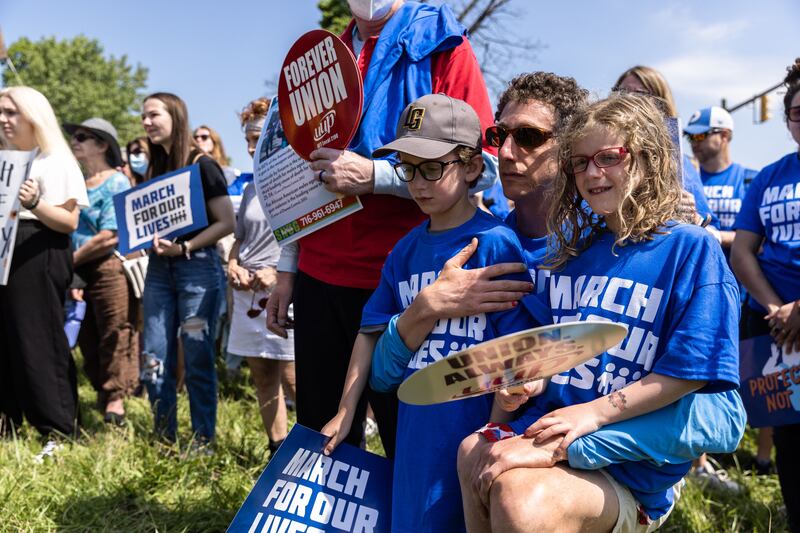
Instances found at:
x=327 y=319
x=37 y=372
x=785 y=438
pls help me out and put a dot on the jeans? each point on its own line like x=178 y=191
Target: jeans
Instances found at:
x=182 y=297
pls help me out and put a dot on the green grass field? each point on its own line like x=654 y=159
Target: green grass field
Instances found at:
x=113 y=479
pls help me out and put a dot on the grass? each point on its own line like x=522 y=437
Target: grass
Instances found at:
x=112 y=479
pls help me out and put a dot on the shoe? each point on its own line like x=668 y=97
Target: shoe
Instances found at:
x=114 y=419
x=763 y=467
x=716 y=478
x=273 y=447
x=48 y=450
x=199 y=448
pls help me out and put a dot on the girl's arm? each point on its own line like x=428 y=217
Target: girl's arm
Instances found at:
x=354 y=384
x=220 y=211
x=640 y=397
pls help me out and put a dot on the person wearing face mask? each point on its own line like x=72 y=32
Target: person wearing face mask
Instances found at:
x=404 y=50
x=107 y=338
x=138 y=159
x=37 y=372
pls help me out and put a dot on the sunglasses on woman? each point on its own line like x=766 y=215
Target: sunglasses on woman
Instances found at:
x=527 y=137
x=201 y=137
x=793 y=114
x=605 y=158
x=83 y=137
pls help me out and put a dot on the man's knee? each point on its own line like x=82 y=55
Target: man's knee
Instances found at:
x=525 y=499
x=467 y=453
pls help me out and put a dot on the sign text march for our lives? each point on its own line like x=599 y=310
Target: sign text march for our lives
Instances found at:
x=302 y=490
x=170 y=205
x=14 y=169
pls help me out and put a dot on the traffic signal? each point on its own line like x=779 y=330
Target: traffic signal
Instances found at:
x=764 y=114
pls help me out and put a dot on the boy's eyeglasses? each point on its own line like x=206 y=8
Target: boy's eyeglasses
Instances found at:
x=700 y=137
x=429 y=170
x=793 y=114
x=203 y=137
x=605 y=158
x=527 y=137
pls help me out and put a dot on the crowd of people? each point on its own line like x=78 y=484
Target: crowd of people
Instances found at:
x=599 y=219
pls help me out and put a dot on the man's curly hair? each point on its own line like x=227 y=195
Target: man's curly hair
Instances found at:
x=561 y=92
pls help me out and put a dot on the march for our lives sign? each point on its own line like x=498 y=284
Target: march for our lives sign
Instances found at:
x=770 y=382
x=170 y=205
x=303 y=490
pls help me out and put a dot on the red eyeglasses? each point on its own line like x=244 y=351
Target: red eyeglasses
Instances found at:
x=607 y=157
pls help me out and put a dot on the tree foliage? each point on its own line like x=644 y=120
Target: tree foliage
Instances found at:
x=80 y=82
x=498 y=47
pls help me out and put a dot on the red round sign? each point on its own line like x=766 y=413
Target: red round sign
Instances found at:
x=320 y=93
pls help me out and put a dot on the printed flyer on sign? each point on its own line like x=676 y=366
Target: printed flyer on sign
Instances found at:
x=303 y=490
x=770 y=382
x=295 y=202
x=170 y=205
x=14 y=169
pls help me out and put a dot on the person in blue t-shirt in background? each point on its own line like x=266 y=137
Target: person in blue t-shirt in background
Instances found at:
x=710 y=131
x=766 y=257
x=601 y=265
x=439 y=144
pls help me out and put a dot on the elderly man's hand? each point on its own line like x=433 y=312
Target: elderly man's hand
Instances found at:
x=343 y=171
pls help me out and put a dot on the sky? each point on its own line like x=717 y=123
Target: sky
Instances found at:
x=219 y=55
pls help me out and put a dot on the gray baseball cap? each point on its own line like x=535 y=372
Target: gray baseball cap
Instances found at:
x=433 y=126
x=104 y=130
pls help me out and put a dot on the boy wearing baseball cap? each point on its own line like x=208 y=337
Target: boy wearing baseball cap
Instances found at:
x=439 y=146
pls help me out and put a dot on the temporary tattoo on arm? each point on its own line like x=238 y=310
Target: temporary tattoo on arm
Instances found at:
x=617 y=399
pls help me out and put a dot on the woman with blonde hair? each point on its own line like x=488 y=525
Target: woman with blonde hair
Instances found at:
x=37 y=372
x=209 y=141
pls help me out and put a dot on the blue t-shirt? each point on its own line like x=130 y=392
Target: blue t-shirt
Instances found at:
x=534 y=249
x=725 y=191
x=100 y=214
x=426 y=494
x=771 y=208
x=679 y=300
x=693 y=185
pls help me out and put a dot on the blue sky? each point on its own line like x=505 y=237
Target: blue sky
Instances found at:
x=218 y=55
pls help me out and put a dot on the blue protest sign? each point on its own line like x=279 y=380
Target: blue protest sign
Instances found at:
x=303 y=490
x=770 y=382
x=170 y=205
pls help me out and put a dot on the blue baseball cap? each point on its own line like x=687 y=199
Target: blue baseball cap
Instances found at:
x=709 y=118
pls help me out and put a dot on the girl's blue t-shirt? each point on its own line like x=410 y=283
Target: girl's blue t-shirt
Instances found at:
x=679 y=301
x=100 y=214
x=426 y=495
x=771 y=208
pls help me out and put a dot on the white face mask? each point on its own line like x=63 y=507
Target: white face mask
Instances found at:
x=370 y=9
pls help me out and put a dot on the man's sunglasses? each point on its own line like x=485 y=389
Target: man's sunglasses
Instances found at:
x=700 y=137
x=527 y=137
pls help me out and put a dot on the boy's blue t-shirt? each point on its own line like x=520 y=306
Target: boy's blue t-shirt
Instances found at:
x=725 y=192
x=771 y=208
x=426 y=494
x=679 y=300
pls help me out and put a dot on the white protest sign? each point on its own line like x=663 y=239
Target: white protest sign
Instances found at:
x=14 y=169
x=295 y=202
